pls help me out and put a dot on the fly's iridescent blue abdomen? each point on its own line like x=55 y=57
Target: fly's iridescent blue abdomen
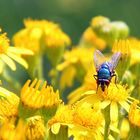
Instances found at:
x=105 y=69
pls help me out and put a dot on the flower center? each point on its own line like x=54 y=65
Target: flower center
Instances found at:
x=114 y=93
x=88 y=117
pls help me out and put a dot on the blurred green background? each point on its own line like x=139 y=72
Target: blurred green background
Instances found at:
x=72 y=15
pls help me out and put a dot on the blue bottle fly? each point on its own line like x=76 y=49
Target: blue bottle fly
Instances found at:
x=105 y=69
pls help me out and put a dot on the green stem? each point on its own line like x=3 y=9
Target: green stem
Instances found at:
x=40 y=67
x=107 y=122
x=36 y=66
x=8 y=78
x=54 y=79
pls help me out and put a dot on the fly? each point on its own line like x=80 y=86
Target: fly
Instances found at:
x=105 y=69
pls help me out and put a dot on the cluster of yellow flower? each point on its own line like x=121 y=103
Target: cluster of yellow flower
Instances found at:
x=37 y=112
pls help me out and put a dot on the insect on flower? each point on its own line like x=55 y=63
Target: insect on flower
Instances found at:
x=105 y=69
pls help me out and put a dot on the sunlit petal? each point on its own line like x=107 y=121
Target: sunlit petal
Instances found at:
x=114 y=111
x=105 y=103
x=17 y=50
x=55 y=128
x=125 y=105
x=18 y=59
x=8 y=61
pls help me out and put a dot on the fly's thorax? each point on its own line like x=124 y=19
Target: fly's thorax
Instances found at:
x=104 y=73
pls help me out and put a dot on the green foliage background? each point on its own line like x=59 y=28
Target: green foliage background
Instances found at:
x=72 y=15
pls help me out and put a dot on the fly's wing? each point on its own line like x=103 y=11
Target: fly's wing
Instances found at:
x=114 y=61
x=98 y=59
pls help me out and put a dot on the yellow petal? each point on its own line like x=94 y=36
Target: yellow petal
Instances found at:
x=90 y=92
x=63 y=65
x=76 y=95
x=4 y=92
x=67 y=77
x=55 y=128
x=98 y=136
x=125 y=128
x=114 y=112
x=20 y=51
x=18 y=59
x=114 y=128
x=111 y=137
x=1 y=66
x=105 y=103
x=125 y=105
x=90 y=99
x=8 y=61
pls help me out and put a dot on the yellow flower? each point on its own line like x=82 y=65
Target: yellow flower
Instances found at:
x=42 y=37
x=54 y=36
x=8 y=53
x=99 y=21
x=90 y=38
x=61 y=118
x=88 y=84
x=35 y=129
x=115 y=95
x=135 y=50
x=34 y=98
x=76 y=63
x=134 y=114
x=8 y=105
x=84 y=120
x=59 y=123
x=36 y=31
x=88 y=122
x=24 y=39
x=10 y=131
x=123 y=46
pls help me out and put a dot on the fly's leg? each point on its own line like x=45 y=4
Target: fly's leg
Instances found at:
x=95 y=76
x=114 y=75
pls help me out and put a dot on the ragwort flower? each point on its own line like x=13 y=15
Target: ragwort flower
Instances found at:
x=8 y=53
x=38 y=100
x=8 y=105
x=134 y=114
x=123 y=46
x=76 y=63
x=10 y=131
x=89 y=38
x=35 y=98
x=115 y=95
x=59 y=123
x=84 y=121
x=43 y=37
x=34 y=128
x=88 y=122
x=36 y=31
x=89 y=83
x=135 y=50
x=63 y=116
